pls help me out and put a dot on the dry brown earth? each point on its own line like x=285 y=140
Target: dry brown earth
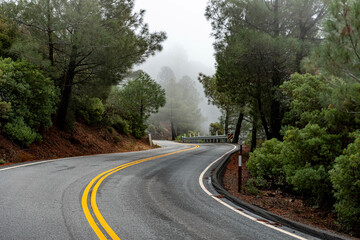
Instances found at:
x=83 y=140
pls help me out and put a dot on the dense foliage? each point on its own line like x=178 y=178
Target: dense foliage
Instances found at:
x=8 y=33
x=73 y=53
x=91 y=110
x=259 y=44
x=137 y=100
x=345 y=177
x=85 y=46
x=27 y=101
x=216 y=129
x=311 y=120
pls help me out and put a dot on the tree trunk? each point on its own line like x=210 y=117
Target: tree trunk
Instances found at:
x=238 y=127
x=276 y=19
x=275 y=119
x=227 y=117
x=173 y=132
x=66 y=93
x=51 y=48
x=141 y=111
x=253 y=134
x=50 y=34
x=263 y=119
x=300 y=53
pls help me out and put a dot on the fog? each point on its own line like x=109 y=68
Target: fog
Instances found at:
x=188 y=49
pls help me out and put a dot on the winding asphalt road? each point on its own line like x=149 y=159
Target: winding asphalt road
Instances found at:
x=166 y=197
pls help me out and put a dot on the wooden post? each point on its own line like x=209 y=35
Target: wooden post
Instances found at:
x=240 y=168
x=150 y=140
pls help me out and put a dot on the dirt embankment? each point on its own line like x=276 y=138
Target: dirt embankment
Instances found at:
x=83 y=140
x=277 y=202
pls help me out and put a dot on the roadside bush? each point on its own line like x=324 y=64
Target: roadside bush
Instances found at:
x=312 y=144
x=302 y=161
x=312 y=182
x=345 y=178
x=306 y=94
x=91 y=110
x=5 y=110
x=27 y=100
x=20 y=132
x=139 y=133
x=266 y=163
x=138 y=128
x=119 y=124
x=250 y=187
x=310 y=154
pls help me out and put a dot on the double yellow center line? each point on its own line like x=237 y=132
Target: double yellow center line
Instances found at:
x=93 y=186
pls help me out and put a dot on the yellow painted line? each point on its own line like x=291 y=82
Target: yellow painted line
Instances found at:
x=100 y=178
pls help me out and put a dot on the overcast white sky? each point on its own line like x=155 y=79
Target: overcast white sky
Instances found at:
x=185 y=25
x=188 y=49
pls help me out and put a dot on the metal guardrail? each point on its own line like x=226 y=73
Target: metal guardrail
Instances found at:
x=206 y=139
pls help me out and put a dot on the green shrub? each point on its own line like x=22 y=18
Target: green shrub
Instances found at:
x=311 y=181
x=306 y=95
x=250 y=187
x=20 y=132
x=139 y=131
x=31 y=95
x=309 y=154
x=137 y=127
x=117 y=139
x=110 y=129
x=5 y=110
x=27 y=101
x=302 y=161
x=345 y=178
x=266 y=163
x=91 y=110
x=121 y=125
x=118 y=123
x=216 y=128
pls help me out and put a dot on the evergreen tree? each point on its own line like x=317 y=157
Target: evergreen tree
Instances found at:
x=137 y=100
x=181 y=112
x=258 y=45
x=86 y=42
x=340 y=53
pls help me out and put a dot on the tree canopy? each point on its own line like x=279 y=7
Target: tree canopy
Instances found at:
x=87 y=43
x=258 y=45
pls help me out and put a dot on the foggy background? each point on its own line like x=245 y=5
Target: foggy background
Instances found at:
x=188 y=49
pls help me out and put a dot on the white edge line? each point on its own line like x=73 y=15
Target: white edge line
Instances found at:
x=29 y=164
x=68 y=158
x=234 y=209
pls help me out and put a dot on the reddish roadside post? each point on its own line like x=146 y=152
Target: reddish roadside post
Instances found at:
x=240 y=168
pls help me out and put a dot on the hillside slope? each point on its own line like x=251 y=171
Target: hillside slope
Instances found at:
x=83 y=140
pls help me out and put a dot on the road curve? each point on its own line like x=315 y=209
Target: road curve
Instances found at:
x=160 y=198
